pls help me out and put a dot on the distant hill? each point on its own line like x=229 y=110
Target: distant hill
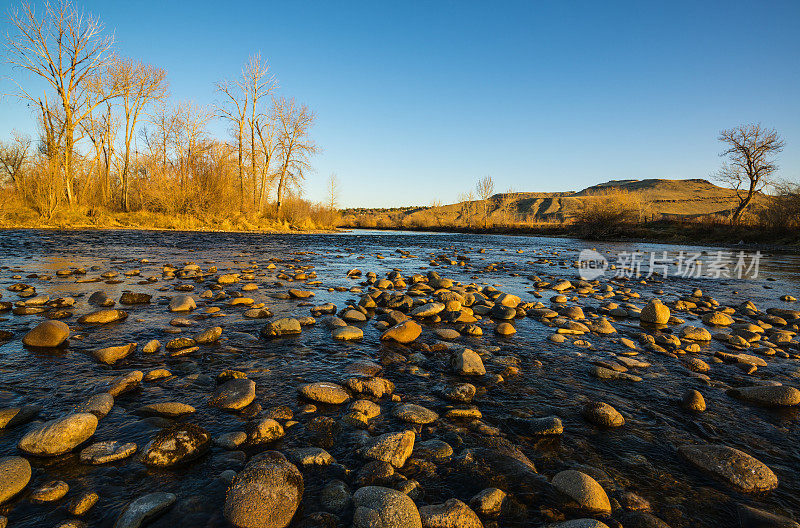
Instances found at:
x=660 y=198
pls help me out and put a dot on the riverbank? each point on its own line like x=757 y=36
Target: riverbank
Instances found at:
x=664 y=232
x=152 y=221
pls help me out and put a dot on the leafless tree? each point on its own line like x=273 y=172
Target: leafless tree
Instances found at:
x=294 y=144
x=437 y=211
x=139 y=85
x=333 y=192
x=13 y=155
x=485 y=190
x=67 y=49
x=234 y=108
x=466 y=211
x=102 y=132
x=750 y=164
x=265 y=128
x=259 y=84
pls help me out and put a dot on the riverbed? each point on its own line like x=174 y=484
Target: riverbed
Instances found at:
x=529 y=375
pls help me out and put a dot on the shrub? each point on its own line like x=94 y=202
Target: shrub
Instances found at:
x=607 y=213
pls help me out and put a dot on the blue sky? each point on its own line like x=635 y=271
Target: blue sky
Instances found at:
x=418 y=100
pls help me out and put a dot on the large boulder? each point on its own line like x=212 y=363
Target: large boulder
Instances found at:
x=415 y=414
x=211 y=335
x=59 y=436
x=112 y=354
x=602 y=414
x=377 y=507
x=736 y=467
x=750 y=517
x=404 y=333
x=281 y=327
x=468 y=363
x=129 y=297
x=584 y=490
x=655 y=312
x=47 y=334
x=451 y=514
x=182 y=303
x=769 y=395
x=234 y=394
x=324 y=392
x=176 y=445
x=14 y=416
x=15 y=473
x=265 y=494
x=104 y=317
x=105 y=452
x=394 y=448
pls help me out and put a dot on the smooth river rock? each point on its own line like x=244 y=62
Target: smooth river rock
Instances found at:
x=15 y=473
x=265 y=494
x=176 y=445
x=141 y=510
x=378 y=507
x=59 y=436
x=47 y=334
x=732 y=465
x=584 y=490
x=234 y=394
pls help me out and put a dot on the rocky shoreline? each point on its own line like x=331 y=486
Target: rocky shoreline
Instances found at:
x=410 y=432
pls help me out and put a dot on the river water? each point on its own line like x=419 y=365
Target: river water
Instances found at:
x=640 y=456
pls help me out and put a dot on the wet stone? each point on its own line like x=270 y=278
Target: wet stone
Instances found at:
x=379 y=507
x=14 y=416
x=145 y=508
x=59 y=436
x=107 y=452
x=265 y=494
x=49 y=492
x=602 y=414
x=82 y=503
x=176 y=445
x=234 y=394
x=16 y=473
x=47 y=334
x=732 y=465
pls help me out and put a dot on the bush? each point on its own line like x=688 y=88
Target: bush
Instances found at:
x=607 y=213
x=782 y=210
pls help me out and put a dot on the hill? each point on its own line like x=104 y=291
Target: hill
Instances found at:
x=658 y=199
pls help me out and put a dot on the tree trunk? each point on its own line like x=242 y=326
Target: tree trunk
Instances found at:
x=241 y=175
x=68 y=144
x=743 y=203
x=253 y=162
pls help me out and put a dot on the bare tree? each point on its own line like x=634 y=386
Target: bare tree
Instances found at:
x=102 y=132
x=258 y=83
x=437 y=211
x=466 y=207
x=265 y=128
x=333 y=192
x=13 y=155
x=750 y=164
x=507 y=209
x=66 y=48
x=234 y=109
x=294 y=144
x=485 y=190
x=139 y=85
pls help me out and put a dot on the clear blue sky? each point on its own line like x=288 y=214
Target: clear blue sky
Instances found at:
x=417 y=100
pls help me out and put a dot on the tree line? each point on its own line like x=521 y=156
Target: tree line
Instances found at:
x=110 y=137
